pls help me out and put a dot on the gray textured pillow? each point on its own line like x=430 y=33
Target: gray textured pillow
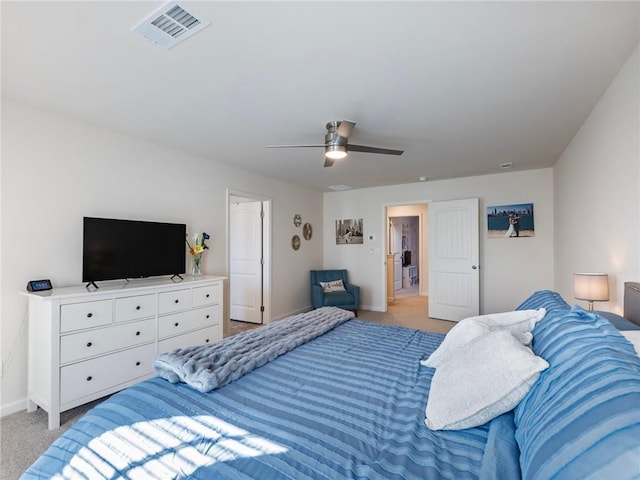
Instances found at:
x=481 y=381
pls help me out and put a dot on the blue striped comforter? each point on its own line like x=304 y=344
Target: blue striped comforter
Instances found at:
x=581 y=419
x=348 y=404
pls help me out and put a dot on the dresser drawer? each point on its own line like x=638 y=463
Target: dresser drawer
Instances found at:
x=199 y=337
x=203 y=317
x=209 y=295
x=174 y=301
x=76 y=316
x=178 y=323
x=132 y=308
x=103 y=340
x=85 y=378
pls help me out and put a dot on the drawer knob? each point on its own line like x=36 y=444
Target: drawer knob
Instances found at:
x=206 y=341
x=176 y=324
x=207 y=316
x=89 y=344
x=137 y=333
x=89 y=315
x=207 y=295
x=176 y=301
x=89 y=378
x=137 y=364
x=137 y=307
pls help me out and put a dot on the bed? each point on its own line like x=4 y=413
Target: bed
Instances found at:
x=350 y=403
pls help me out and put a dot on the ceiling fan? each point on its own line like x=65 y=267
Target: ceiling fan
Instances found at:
x=336 y=143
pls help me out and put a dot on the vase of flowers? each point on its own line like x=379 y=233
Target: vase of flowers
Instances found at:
x=196 y=251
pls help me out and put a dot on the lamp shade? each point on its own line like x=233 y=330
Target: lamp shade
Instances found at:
x=593 y=287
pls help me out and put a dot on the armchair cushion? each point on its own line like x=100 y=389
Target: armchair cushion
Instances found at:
x=336 y=299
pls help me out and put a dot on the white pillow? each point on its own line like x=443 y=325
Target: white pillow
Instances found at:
x=634 y=337
x=486 y=379
x=333 y=286
x=517 y=322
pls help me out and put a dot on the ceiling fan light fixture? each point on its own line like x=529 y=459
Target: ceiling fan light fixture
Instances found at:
x=335 y=152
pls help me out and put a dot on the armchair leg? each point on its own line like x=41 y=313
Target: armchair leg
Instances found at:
x=355 y=312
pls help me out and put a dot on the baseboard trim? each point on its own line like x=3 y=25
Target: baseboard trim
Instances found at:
x=373 y=308
x=13 y=407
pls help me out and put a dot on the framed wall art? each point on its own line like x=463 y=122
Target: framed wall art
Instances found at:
x=511 y=221
x=349 y=232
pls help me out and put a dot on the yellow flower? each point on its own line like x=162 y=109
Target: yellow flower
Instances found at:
x=198 y=243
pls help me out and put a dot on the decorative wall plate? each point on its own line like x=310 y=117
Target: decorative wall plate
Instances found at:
x=297 y=220
x=295 y=242
x=307 y=231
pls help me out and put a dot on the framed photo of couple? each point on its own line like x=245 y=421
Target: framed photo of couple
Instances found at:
x=511 y=221
x=349 y=231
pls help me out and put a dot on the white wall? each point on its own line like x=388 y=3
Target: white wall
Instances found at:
x=597 y=192
x=511 y=269
x=56 y=170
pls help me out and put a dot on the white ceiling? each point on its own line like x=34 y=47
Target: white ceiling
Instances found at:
x=461 y=87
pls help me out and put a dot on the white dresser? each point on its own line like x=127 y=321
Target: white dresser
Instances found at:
x=85 y=344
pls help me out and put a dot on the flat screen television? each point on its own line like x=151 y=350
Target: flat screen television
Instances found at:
x=121 y=249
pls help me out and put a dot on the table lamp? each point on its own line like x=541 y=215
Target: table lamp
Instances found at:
x=592 y=287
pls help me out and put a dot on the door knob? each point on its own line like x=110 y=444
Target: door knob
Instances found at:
x=474 y=267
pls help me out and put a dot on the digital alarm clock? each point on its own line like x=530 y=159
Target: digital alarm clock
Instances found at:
x=39 y=285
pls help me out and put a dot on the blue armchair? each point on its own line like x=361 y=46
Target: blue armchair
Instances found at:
x=349 y=299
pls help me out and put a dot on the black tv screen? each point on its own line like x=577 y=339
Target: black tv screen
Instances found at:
x=118 y=249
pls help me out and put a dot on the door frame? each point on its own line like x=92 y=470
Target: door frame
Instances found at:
x=423 y=246
x=266 y=246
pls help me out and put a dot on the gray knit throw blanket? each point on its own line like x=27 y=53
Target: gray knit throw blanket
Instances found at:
x=207 y=367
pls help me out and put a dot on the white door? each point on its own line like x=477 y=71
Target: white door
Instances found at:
x=397 y=271
x=454 y=290
x=396 y=249
x=245 y=254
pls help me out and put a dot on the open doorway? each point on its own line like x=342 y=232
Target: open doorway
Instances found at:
x=249 y=257
x=407 y=275
x=405 y=243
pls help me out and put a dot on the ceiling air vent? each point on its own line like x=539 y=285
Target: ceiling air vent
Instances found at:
x=339 y=188
x=170 y=24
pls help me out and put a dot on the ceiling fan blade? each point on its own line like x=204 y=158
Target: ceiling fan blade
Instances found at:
x=384 y=151
x=345 y=128
x=294 y=146
x=328 y=162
